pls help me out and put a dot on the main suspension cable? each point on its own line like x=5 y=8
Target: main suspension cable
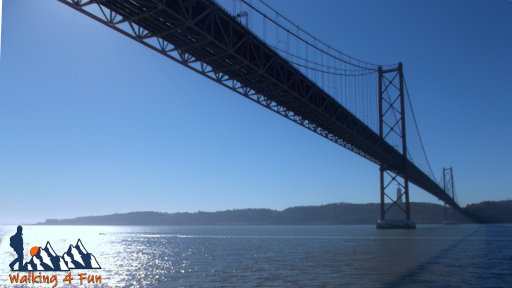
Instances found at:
x=314 y=37
x=309 y=43
x=418 y=130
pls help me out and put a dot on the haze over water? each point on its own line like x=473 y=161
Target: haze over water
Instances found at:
x=282 y=256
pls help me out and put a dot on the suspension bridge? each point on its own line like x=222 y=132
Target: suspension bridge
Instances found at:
x=257 y=52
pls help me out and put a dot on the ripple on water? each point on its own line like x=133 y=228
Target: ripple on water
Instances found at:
x=285 y=256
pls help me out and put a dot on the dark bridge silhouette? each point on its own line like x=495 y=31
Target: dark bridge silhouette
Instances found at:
x=205 y=37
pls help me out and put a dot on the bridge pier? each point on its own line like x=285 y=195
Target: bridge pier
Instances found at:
x=397 y=213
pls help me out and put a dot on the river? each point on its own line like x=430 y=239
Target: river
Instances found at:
x=279 y=256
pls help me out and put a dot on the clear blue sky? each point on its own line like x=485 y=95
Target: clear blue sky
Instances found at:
x=93 y=123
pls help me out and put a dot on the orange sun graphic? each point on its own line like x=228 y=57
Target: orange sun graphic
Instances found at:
x=34 y=250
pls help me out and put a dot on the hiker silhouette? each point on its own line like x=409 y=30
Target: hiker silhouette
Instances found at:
x=17 y=245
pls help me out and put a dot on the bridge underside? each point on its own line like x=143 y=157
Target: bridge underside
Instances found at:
x=202 y=36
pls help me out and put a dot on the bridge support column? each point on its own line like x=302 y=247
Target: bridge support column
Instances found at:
x=396 y=214
x=450 y=215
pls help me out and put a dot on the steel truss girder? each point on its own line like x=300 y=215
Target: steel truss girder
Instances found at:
x=278 y=72
x=220 y=48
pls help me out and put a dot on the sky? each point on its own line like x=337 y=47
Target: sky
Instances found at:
x=93 y=123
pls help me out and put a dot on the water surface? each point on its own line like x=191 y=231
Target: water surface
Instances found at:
x=282 y=256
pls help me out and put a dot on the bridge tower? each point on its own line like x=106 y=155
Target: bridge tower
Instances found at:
x=449 y=188
x=392 y=127
x=448 y=183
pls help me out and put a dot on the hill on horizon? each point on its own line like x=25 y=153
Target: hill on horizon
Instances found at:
x=328 y=214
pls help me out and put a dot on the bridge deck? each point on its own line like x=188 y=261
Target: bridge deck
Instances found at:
x=204 y=37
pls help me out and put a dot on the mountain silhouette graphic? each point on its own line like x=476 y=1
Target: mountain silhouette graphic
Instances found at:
x=77 y=257
x=46 y=260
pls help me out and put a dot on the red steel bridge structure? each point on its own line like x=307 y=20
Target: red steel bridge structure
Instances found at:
x=205 y=37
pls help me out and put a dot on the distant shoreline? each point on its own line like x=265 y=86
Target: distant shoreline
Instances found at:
x=329 y=214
